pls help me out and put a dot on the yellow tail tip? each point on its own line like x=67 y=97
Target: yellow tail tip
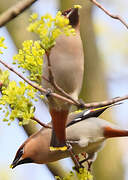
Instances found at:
x=78 y=6
x=11 y=166
x=64 y=148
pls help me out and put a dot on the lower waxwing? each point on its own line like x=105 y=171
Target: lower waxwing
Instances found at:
x=86 y=135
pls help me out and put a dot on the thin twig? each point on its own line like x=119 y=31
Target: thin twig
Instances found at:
x=55 y=85
x=14 y=11
x=74 y=159
x=45 y=79
x=109 y=14
x=106 y=102
x=41 y=123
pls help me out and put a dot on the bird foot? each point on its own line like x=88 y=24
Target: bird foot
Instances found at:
x=89 y=165
x=81 y=106
x=48 y=92
x=69 y=146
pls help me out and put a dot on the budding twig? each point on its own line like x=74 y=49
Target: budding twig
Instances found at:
x=41 y=123
x=74 y=159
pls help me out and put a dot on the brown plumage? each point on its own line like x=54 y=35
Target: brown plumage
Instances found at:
x=87 y=135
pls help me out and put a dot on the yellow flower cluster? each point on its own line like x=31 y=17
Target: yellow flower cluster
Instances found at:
x=49 y=28
x=83 y=174
x=30 y=57
x=4 y=78
x=2 y=44
x=18 y=98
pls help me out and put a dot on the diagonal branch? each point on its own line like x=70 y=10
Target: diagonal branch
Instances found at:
x=109 y=14
x=14 y=11
x=85 y=105
x=106 y=102
x=41 y=123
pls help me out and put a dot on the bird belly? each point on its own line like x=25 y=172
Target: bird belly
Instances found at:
x=90 y=148
x=67 y=64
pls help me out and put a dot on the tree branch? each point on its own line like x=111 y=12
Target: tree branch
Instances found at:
x=41 y=123
x=85 y=105
x=106 y=102
x=109 y=14
x=14 y=11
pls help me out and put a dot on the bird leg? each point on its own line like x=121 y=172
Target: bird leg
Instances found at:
x=89 y=165
x=89 y=161
x=82 y=104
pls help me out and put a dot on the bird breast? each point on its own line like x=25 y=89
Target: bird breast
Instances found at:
x=67 y=62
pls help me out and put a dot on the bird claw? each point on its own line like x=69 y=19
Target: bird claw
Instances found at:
x=69 y=146
x=78 y=169
x=48 y=92
x=89 y=165
x=89 y=162
x=81 y=106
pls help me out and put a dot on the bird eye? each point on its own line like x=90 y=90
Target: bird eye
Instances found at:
x=65 y=13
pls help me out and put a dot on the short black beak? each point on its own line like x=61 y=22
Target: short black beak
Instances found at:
x=17 y=162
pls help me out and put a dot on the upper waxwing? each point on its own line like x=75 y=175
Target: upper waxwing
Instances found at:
x=85 y=135
x=67 y=65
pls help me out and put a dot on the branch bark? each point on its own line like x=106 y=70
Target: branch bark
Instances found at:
x=41 y=123
x=14 y=11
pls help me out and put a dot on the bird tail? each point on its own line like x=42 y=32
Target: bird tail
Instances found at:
x=112 y=132
x=55 y=144
x=58 y=139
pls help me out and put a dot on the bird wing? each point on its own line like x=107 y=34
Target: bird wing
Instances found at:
x=93 y=112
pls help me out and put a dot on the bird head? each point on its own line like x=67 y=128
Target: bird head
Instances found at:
x=73 y=16
x=21 y=157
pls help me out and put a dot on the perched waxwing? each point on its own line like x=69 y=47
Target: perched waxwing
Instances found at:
x=67 y=65
x=85 y=135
